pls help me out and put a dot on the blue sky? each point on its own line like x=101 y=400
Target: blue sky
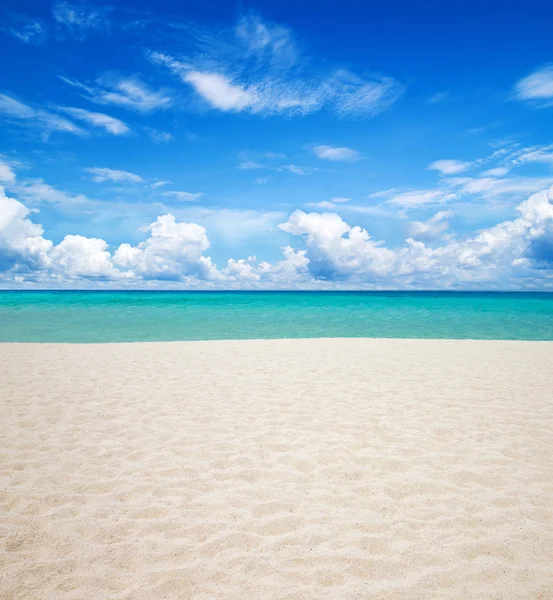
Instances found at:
x=276 y=145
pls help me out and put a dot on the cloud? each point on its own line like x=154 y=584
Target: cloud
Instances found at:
x=431 y=230
x=537 y=154
x=34 y=191
x=496 y=172
x=24 y=114
x=512 y=253
x=439 y=97
x=159 y=137
x=7 y=174
x=109 y=124
x=125 y=91
x=219 y=91
x=80 y=19
x=261 y=180
x=184 y=196
x=335 y=154
x=256 y=67
x=103 y=174
x=537 y=87
x=297 y=170
x=250 y=164
x=173 y=251
x=329 y=204
x=418 y=198
x=26 y=29
x=500 y=255
x=449 y=167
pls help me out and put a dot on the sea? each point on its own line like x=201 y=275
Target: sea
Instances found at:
x=146 y=316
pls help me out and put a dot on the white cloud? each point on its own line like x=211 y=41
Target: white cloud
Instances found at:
x=335 y=154
x=80 y=19
x=449 y=167
x=27 y=30
x=7 y=174
x=124 y=91
x=219 y=91
x=297 y=170
x=110 y=124
x=184 y=196
x=159 y=137
x=417 y=198
x=538 y=86
x=173 y=251
x=539 y=155
x=261 y=180
x=257 y=67
x=250 y=164
x=26 y=115
x=430 y=230
x=505 y=255
x=101 y=174
x=496 y=172
x=439 y=97
x=329 y=204
x=34 y=191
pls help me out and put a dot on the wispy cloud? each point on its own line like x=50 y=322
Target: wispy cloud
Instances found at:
x=257 y=67
x=537 y=87
x=26 y=29
x=35 y=191
x=44 y=120
x=126 y=91
x=80 y=19
x=102 y=174
x=159 y=137
x=439 y=97
x=109 y=124
x=184 y=196
x=335 y=154
x=449 y=166
x=417 y=198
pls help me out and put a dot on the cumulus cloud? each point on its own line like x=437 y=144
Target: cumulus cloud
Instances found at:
x=537 y=87
x=337 y=251
x=257 y=67
x=101 y=174
x=335 y=154
x=333 y=251
x=449 y=167
x=431 y=230
x=124 y=91
x=173 y=251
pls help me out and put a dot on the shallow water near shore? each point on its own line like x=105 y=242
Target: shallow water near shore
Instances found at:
x=117 y=316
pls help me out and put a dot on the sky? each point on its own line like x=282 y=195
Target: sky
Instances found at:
x=276 y=145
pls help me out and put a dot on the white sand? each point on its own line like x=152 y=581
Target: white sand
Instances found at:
x=316 y=469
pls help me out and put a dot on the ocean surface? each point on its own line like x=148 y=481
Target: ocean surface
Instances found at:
x=36 y=316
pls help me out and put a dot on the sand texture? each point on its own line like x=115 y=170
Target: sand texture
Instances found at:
x=284 y=469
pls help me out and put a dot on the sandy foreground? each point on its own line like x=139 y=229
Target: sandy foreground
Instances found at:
x=289 y=469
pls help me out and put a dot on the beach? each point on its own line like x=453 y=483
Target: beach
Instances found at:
x=281 y=469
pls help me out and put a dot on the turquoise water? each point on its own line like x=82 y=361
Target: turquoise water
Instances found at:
x=165 y=316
